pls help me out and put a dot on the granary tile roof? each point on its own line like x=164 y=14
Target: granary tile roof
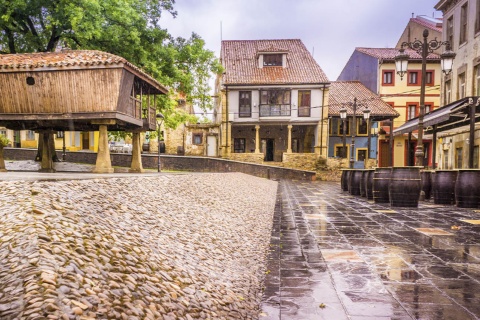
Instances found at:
x=240 y=60
x=390 y=53
x=68 y=59
x=342 y=94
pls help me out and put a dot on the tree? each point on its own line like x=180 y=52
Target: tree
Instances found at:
x=128 y=28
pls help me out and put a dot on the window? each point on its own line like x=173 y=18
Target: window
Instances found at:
x=3 y=132
x=304 y=101
x=295 y=145
x=477 y=17
x=450 y=31
x=30 y=135
x=361 y=154
x=387 y=78
x=463 y=23
x=60 y=134
x=429 y=80
x=239 y=145
x=411 y=111
x=428 y=108
x=448 y=92
x=476 y=82
x=475 y=156
x=445 y=159
x=245 y=104
x=347 y=127
x=272 y=60
x=339 y=151
x=275 y=102
x=459 y=158
x=461 y=86
x=197 y=138
x=413 y=78
x=362 y=126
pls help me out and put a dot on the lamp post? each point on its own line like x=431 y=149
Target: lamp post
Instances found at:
x=160 y=119
x=343 y=116
x=366 y=116
x=401 y=64
x=354 y=129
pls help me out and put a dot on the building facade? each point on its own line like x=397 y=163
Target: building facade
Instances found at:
x=461 y=25
x=272 y=102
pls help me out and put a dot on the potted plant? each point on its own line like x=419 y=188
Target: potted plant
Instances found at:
x=3 y=143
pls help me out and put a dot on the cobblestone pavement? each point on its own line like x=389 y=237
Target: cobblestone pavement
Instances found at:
x=187 y=246
x=337 y=256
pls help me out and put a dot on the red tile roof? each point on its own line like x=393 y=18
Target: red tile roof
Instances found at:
x=67 y=59
x=390 y=53
x=434 y=24
x=240 y=60
x=342 y=94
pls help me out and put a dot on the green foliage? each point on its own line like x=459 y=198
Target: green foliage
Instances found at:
x=128 y=28
x=4 y=141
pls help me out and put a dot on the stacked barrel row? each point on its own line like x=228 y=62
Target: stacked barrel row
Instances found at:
x=402 y=186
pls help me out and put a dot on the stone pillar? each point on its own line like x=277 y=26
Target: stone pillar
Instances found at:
x=136 y=165
x=229 y=139
x=257 y=139
x=289 y=139
x=46 y=164
x=103 y=164
x=2 y=160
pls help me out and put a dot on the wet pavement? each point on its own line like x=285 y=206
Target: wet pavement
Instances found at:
x=337 y=256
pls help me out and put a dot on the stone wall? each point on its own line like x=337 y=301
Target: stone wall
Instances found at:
x=248 y=157
x=177 y=163
x=301 y=161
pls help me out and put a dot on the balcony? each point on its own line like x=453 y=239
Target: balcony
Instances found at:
x=277 y=110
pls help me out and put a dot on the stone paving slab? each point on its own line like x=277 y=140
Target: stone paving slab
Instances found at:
x=370 y=261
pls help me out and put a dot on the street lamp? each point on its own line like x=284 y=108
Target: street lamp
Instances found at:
x=343 y=116
x=160 y=119
x=366 y=116
x=401 y=64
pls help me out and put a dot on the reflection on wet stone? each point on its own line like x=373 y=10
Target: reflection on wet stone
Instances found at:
x=378 y=263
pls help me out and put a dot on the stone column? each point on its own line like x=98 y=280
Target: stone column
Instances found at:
x=289 y=139
x=257 y=139
x=229 y=139
x=136 y=165
x=103 y=164
x=2 y=160
x=46 y=164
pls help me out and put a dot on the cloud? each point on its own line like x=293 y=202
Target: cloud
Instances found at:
x=329 y=29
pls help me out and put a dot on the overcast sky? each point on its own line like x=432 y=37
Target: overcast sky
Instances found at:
x=330 y=29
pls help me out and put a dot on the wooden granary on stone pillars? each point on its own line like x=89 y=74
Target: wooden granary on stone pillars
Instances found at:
x=77 y=91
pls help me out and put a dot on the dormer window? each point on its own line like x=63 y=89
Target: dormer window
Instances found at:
x=273 y=60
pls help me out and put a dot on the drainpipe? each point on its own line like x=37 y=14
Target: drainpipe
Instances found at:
x=321 y=124
x=227 y=114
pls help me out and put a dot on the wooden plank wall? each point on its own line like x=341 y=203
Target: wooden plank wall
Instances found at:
x=71 y=91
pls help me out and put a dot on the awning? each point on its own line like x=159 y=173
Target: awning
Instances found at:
x=437 y=116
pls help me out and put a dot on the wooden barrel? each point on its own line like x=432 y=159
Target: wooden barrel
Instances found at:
x=426 y=183
x=369 y=184
x=443 y=186
x=467 y=188
x=354 y=183
x=363 y=190
x=344 y=179
x=404 y=187
x=381 y=179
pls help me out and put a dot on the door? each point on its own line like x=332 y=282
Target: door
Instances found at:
x=385 y=154
x=268 y=149
x=211 y=146
x=85 y=140
x=16 y=139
